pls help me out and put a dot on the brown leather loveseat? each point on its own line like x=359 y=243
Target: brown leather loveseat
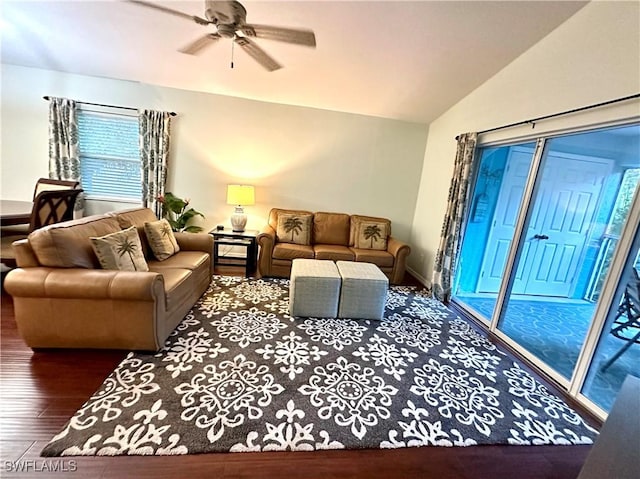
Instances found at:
x=63 y=299
x=292 y=234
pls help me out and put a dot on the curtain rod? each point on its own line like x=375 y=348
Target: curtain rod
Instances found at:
x=553 y=115
x=46 y=97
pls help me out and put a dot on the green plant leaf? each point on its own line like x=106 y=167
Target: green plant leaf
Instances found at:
x=190 y=213
x=173 y=203
x=175 y=226
x=174 y=210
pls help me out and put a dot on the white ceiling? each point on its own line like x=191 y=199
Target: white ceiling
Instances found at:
x=402 y=60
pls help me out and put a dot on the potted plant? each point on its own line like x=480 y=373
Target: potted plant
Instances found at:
x=175 y=210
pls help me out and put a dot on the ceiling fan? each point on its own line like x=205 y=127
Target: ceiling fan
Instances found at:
x=229 y=17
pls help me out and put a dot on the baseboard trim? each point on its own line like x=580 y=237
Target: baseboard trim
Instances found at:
x=421 y=279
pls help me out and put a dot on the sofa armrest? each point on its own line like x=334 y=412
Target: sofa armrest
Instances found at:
x=42 y=282
x=267 y=233
x=89 y=308
x=395 y=246
x=266 y=240
x=195 y=242
x=25 y=257
x=400 y=251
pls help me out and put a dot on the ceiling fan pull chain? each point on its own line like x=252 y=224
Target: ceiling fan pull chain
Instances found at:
x=232 y=45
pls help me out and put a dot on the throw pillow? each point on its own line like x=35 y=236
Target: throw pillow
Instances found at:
x=161 y=239
x=294 y=228
x=371 y=235
x=120 y=250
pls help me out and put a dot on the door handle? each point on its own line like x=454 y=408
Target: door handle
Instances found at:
x=541 y=237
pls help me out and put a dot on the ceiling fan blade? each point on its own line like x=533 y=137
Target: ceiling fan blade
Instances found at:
x=258 y=54
x=197 y=45
x=299 y=36
x=199 y=20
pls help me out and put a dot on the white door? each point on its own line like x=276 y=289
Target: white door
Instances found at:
x=563 y=210
x=504 y=219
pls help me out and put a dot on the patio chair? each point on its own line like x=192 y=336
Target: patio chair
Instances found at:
x=49 y=207
x=626 y=325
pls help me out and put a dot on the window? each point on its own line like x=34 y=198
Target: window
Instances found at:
x=109 y=156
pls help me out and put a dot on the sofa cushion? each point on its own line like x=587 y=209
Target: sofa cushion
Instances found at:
x=161 y=239
x=120 y=250
x=331 y=228
x=371 y=235
x=357 y=219
x=67 y=244
x=275 y=212
x=184 y=260
x=294 y=228
x=291 y=251
x=381 y=259
x=333 y=252
x=136 y=217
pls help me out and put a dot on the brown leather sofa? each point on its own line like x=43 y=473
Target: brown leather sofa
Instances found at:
x=332 y=238
x=63 y=299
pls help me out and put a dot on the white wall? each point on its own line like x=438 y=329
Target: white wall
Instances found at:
x=296 y=157
x=593 y=57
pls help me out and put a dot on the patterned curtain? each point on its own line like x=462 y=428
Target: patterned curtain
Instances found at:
x=449 y=247
x=154 y=153
x=64 y=159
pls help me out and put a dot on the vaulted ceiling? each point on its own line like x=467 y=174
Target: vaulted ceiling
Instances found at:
x=403 y=60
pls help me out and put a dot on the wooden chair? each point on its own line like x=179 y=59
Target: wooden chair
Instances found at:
x=47 y=184
x=54 y=206
x=43 y=184
x=49 y=207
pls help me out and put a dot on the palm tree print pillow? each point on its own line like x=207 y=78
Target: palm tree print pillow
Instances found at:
x=371 y=235
x=121 y=251
x=294 y=228
x=161 y=239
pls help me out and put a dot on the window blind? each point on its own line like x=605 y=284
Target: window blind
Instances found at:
x=109 y=156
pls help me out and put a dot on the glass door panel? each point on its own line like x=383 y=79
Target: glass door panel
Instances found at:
x=495 y=204
x=618 y=350
x=583 y=189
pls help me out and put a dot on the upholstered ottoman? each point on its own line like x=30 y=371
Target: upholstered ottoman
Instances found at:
x=364 y=290
x=314 y=288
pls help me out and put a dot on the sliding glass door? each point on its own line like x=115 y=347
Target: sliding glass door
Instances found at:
x=498 y=192
x=545 y=222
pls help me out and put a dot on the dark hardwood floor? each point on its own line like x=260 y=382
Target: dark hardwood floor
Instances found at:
x=40 y=391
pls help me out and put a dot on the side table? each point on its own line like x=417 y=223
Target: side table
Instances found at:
x=227 y=237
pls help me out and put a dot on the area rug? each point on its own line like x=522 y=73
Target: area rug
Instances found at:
x=239 y=374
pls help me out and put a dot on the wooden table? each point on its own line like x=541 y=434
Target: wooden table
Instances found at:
x=247 y=239
x=14 y=212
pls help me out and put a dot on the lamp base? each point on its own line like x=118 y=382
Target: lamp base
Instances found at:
x=238 y=220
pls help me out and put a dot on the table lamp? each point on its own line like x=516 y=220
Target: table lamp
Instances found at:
x=239 y=195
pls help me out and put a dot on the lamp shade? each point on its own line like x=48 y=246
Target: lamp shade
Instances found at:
x=240 y=195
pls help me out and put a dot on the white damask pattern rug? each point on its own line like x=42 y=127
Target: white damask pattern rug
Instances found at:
x=239 y=374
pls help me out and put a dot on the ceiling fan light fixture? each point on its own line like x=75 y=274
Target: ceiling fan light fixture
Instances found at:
x=227 y=31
